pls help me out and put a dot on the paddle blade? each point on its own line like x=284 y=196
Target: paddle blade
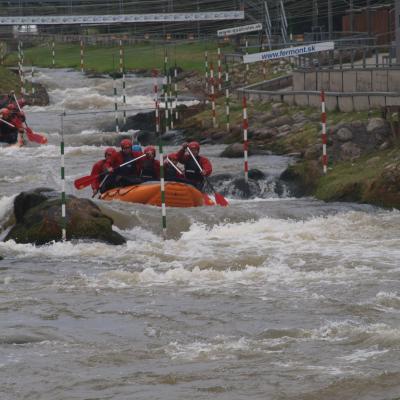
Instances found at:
x=85 y=181
x=207 y=200
x=221 y=200
x=35 y=137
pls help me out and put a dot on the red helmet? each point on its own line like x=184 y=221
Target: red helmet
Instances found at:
x=126 y=143
x=194 y=146
x=5 y=112
x=173 y=157
x=11 y=106
x=150 y=149
x=109 y=151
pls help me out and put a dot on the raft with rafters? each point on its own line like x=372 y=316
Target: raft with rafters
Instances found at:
x=177 y=194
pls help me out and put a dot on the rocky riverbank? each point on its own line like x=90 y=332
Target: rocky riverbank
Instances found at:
x=362 y=148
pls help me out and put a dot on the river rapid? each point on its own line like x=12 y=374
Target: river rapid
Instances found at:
x=271 y=298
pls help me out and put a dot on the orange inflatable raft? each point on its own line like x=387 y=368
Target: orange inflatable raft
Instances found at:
x=176 y=195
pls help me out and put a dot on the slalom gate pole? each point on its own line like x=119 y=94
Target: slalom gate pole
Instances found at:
x=245 y=141
x=165 y=91
x=124 y=96
x=20 y=69
x=171 y=102
x=2 y=54
x=176 y=92
x=161 y=155
x=53 y=54
x=33 y=79
x=264 y=65
x=206 y=69
x=214 y=115
x=247 y=65
x=227 y=105
x=121 y=57
x=115 y=106
x=219 y=70
x=324 y=137
x=63 y=197
x=82 y=57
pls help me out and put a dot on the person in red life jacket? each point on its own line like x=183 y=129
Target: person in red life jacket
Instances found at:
x=128 y=174
x=192 y=172
x=8 y=133
x=172 y=172
x=98 y=168
x=150 y=167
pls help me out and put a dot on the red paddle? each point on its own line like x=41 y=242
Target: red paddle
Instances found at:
x=33 y=137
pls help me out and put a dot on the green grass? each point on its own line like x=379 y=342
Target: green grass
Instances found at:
x=8 y=81
x=354 y=176
x=144 y=56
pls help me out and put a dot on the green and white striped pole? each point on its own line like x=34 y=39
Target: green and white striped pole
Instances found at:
x=53 y=54
x=116 y=106
x=63 y=197
x=176 y=92
x=160 y=151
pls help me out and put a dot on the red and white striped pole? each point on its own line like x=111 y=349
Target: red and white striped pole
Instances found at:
x=245 y=141
x=53 y=54
x=324 y=138
x=82 y=67
x=214 y=114
x=219 y=70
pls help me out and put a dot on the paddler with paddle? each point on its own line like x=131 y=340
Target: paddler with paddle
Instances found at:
x=189 y=156
x=98 y=169
x=123 y=169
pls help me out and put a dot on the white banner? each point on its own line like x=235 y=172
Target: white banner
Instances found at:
x=288 y=52
x=239 y=29
x=121 y=18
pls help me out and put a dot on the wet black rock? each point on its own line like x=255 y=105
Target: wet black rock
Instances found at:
x=38 y=219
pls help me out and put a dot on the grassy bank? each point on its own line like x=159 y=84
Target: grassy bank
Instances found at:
x=143 y=56
x=8 y=81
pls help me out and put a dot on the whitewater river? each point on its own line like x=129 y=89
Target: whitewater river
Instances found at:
x=273 y=298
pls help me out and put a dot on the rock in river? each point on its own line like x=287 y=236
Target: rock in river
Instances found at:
x=38 y=219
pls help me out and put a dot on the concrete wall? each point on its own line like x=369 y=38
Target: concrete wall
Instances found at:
x=333 y=100
x=352 y=80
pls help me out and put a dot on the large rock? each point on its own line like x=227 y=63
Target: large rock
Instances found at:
x=234 y=150
x=385 y=189
x=344 y=134
x=38 y=219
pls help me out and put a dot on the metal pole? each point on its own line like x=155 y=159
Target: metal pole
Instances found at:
x=116 y=106
x=245 y=141
x=63 y=197
x=161 y=155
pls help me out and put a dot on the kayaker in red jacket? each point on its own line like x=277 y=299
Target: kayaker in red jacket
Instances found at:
x=99 y=167
x=11 y=128
x=172 y=172
x=192 y=172
x=149 y=166
x=128 y=174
